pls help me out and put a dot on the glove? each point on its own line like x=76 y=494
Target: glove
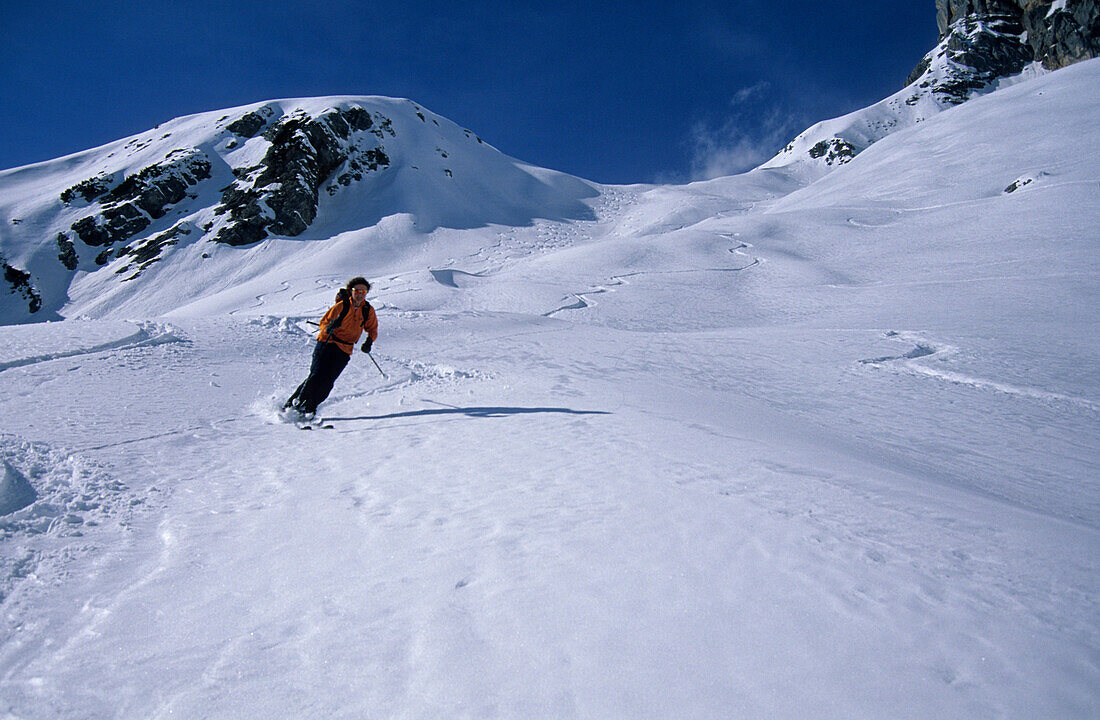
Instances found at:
x=367 y=345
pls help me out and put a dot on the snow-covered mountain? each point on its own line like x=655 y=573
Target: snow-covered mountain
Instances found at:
x=93 y=232
x=785 y=444
x=983 y=46
x=743 y=448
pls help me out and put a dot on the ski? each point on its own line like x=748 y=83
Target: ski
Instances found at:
x=316 y=425
x=293 y=417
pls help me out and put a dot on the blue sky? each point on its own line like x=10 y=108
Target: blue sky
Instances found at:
x=614 y=92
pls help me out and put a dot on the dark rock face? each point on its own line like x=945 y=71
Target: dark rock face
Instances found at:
x=88 y=189
x=111 y=225
x=251 y=123
x=66 y=252
x=280 y=195
x=148 y=251
x=948 y=11
x=983 y=40
x=979 y=50
x=303 y=153
x=1065 y=36
x=1056 y=38
x=19 y=283
x=166 y=183
x=130 y=207
x=835 y=151
x=373 y=159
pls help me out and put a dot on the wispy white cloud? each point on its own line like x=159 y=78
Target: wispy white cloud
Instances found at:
x=753 y=131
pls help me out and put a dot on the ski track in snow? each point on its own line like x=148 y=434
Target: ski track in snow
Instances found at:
x=511 y=245
x=544 y=237
x=147 y=333
x=584 y=300
x=926 y=350
x=261 y=299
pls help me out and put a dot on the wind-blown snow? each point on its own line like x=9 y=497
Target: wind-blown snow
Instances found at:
x=742 y=448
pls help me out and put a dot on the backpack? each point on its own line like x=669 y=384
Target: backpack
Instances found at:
x=343 y=297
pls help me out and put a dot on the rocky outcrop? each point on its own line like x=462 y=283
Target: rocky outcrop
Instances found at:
x=19 y=283
x=372 y=159
x=251 y=123
x=66 y=252
x=148 y=251
x=130 y=207
x=834 y=151
x=973 y=52
x=280 y=194
x=996 y=38
x=88 y=189
x=1063 y=33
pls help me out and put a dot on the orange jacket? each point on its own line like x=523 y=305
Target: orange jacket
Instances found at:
x=347 y=333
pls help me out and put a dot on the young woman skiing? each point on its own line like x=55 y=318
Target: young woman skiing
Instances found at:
x=341 y=328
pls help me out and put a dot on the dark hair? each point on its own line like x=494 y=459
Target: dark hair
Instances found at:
x=357 y=281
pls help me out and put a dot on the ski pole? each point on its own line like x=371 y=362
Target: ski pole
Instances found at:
x=377 y=366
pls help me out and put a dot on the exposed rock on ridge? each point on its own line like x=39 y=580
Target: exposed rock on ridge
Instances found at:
x=1055 y=33
x=129 y=207
x=280 y=194
x=984 y=40
x=19 y=283
x=251 y=123
x=148 y=251
x=973 y=52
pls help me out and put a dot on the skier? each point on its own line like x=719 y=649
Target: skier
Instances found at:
x=341 y=328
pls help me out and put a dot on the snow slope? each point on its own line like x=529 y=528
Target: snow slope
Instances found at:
x=742 y=448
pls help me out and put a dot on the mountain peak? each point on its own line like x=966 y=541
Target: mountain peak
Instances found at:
x=309 y=168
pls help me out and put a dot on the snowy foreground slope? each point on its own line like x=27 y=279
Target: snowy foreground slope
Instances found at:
x=740 y=448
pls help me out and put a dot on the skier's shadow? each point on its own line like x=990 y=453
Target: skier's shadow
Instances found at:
x=474 y=412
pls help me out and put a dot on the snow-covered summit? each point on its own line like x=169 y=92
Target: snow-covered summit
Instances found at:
x=85 y=231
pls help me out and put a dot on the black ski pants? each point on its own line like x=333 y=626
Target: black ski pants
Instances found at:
x=328 y=362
